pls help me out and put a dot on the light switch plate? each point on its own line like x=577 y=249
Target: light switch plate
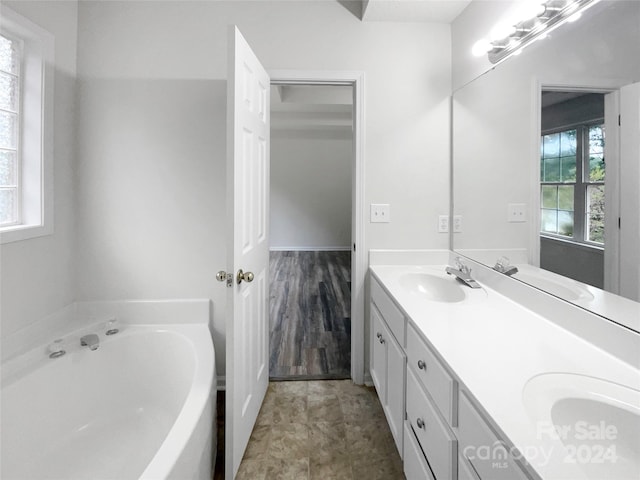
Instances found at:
x=380 y=213
x=457 y=223
x=517 y=212
x=443 y=223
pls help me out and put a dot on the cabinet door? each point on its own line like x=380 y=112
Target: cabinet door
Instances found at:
x=378 y=366
x=394 y=406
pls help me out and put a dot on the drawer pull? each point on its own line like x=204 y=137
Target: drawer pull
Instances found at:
x=420 y=423
x=422 y=365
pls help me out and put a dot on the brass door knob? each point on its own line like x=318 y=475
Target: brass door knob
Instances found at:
x=246 y=276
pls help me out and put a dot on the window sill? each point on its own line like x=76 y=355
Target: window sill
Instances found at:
x=23 y=232
x=585 y=246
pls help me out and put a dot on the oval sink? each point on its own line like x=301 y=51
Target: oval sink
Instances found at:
x=566 y=289
x=597 y=421
x=433 y=287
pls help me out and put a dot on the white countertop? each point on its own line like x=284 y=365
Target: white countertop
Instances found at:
x=495 y=346
x=619 y=309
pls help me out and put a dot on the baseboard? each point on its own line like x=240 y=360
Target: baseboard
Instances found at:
x=309 y=249
x=221 y=384
x=368 y=381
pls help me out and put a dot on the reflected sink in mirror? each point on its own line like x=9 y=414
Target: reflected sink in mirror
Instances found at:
x=433 y=287
x=554 y=284
x=592 y=418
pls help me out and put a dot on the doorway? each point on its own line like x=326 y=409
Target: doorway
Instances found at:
x=311 y=230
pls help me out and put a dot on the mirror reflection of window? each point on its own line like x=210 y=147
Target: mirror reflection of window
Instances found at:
x=572 y=185
x=572 y=163
x=558 y=177
x=594 y=214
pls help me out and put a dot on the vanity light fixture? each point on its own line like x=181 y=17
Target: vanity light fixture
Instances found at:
x=535 y=20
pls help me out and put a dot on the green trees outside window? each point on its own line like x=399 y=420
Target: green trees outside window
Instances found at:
x=572 y=175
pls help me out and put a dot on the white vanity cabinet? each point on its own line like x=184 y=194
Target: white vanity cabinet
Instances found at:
x=388 y=361
x=439 y=431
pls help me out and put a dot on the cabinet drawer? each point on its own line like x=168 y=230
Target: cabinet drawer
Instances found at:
x=487 y=455
x=391 y=314
x=433 y=434
x=442 y=388
x=415 y=465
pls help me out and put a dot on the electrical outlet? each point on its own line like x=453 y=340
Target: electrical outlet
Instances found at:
x=443 y=223
x=457 y=223
x=517 y=212
x=380 y=213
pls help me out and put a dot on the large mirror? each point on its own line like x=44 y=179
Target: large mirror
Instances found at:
x=544 y=174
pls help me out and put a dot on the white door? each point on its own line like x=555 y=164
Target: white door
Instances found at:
x=247 y=369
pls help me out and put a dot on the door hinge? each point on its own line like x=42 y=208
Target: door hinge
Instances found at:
x=354 y=247
x=619 y=223
x=619 y=121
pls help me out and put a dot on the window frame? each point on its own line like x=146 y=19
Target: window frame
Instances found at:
x=580 y=185
x=35 y=143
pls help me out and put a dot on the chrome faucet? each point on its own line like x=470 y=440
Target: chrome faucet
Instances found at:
x=504 y=266
x=91 y=340
x=463 y=273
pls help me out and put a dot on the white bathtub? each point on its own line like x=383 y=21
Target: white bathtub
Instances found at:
x=140 y=406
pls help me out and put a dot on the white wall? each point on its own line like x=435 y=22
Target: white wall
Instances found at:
x=151 y=151
x=37 y=275
x=311 y=189
x=475 y=23
x=496 y=147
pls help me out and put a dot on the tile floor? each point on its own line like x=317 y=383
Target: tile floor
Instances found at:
x=324 y=429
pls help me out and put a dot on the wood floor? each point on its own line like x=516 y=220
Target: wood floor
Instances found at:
x=310 y=315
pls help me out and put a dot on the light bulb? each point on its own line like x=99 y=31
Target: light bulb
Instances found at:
x=502 y=30
x=481 y=47
x=574 y=17
x=531 y=9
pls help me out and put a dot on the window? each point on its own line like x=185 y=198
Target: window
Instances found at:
x=26 y=122
x=572 y=174
x=10 y=53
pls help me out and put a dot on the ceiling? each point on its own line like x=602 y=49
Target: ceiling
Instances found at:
x=295 y=107
x=441 y=11
x=551 y=97
x=312 y=107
